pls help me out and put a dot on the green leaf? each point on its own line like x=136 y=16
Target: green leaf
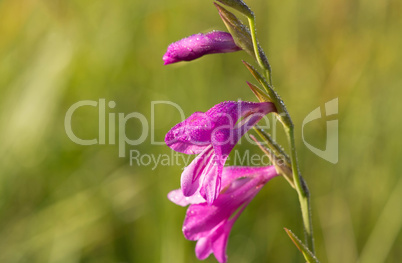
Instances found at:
x=276 y=99
x=257 y=76
x=261 y=95
x=239 y=5
x=305 y=251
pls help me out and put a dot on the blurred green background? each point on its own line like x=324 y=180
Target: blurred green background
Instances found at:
x=63 y=202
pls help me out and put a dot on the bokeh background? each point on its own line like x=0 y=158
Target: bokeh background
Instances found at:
x=61 y=202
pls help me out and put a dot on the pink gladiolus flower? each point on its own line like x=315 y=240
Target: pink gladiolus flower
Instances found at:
x=212 y=135
x=198 y=45
x=211 y=224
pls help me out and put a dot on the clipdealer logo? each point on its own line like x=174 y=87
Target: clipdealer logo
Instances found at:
x=122 y=119
x=146 y=128
x=330 y=153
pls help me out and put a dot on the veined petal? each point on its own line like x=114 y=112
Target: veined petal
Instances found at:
x=198 y=45
x=211 y=184
x=191 y=176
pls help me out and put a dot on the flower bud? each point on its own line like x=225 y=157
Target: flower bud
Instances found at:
x=198 y=45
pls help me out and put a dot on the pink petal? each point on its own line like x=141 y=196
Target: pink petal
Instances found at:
x=231 y=173
x=211 y=184
x=191 y=176
x=220 y=242
x=223 y=141
x=177 y=197
x=201 y=219
x=215 y=242
x=198 y=45
x=192 y=135
x=203 y=248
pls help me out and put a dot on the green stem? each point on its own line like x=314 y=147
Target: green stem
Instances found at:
x=301 y=188
x=299 y=183
x=251 y=21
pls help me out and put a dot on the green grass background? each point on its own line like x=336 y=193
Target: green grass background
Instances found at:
x=61 y=202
